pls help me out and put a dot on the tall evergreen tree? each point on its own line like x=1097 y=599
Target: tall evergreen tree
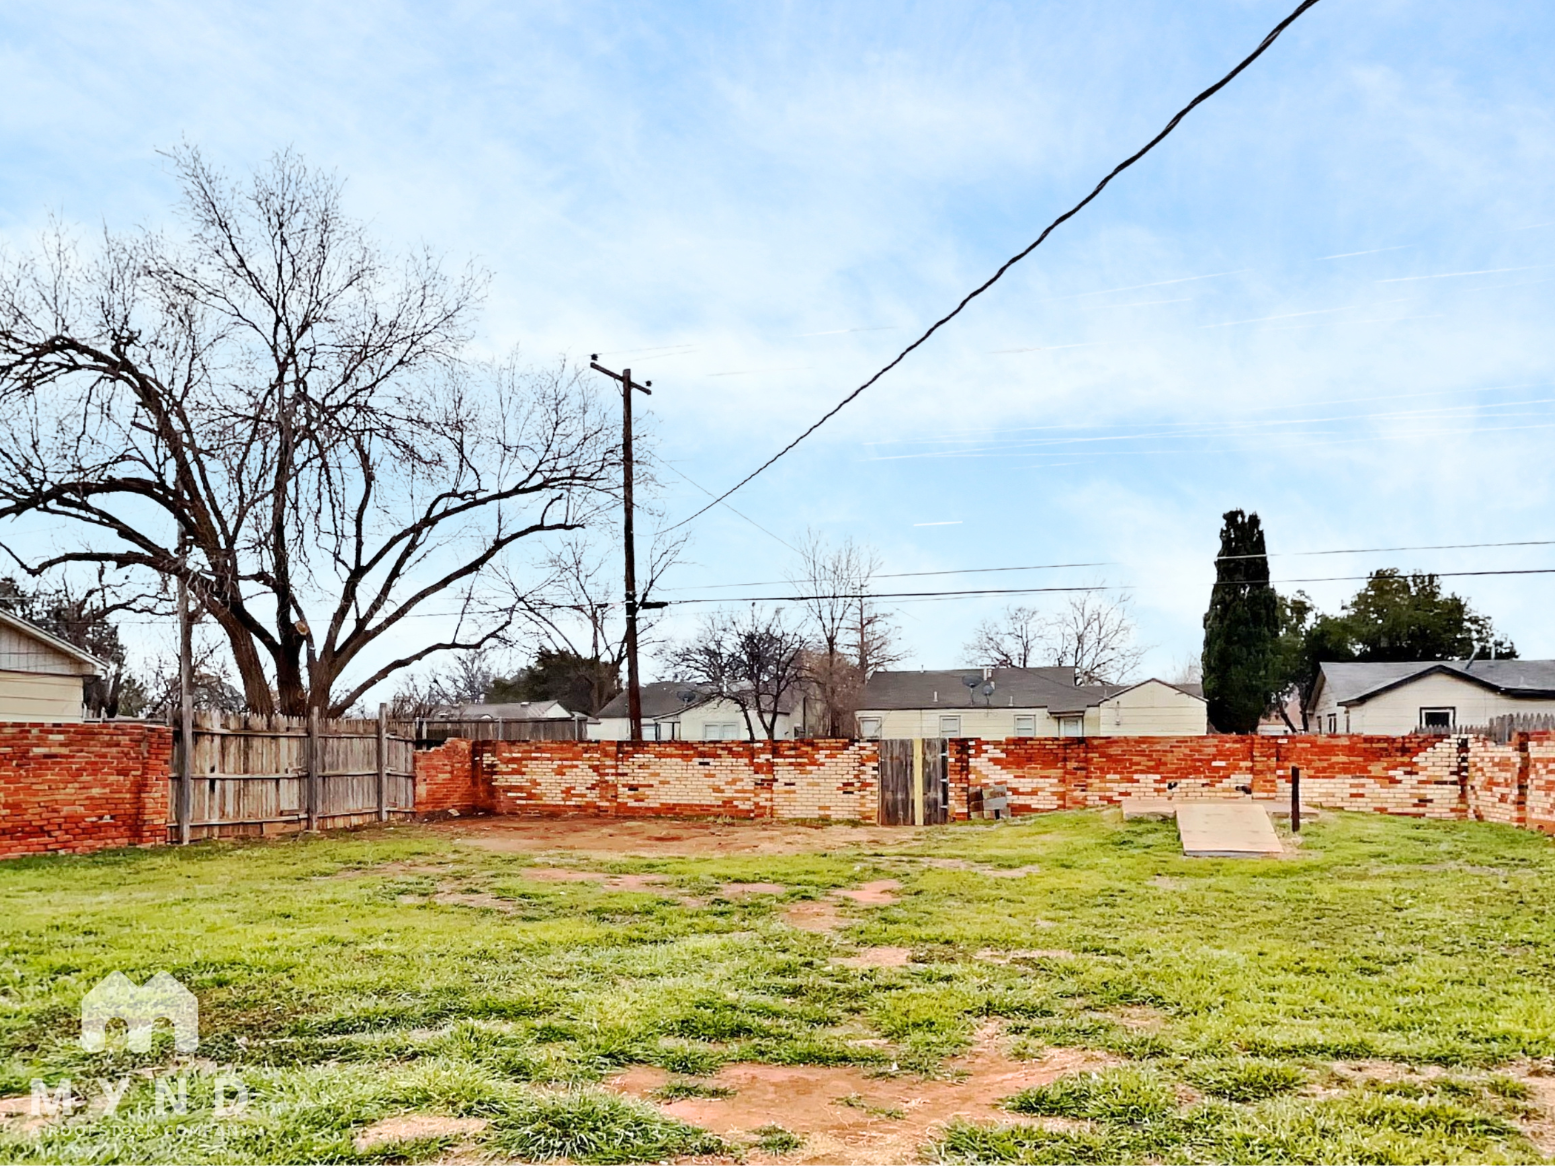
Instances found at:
x=1241 y=629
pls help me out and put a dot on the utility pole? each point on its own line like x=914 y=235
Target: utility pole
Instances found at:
x=634 y=700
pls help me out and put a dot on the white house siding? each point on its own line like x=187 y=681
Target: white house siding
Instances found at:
x=38 y=696
x=1398 y=710
x=990 y=723
x=693 y=725
x=1153 y=709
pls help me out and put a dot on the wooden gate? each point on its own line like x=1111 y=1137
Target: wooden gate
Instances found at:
x=900 y=803
x=896 y=783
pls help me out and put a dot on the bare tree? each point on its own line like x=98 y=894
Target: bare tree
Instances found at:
x=1016 y=639
x=1091 y=634
x=579 y=613
x=1094 y=636
x=853 y=637
x=274 y=391
x=754 y=660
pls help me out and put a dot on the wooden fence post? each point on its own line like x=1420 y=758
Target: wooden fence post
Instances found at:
x=1295 y=799
x=313 y=769
x=383 y=763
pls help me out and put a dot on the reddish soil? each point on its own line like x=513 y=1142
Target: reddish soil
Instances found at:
x=874 y=894
x=417 y=1125
x=885 y=1119
x=617 y=837
x=818 y=916
x=877 y=957
x=736 y=890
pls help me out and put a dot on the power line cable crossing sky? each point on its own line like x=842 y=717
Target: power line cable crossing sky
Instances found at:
x=1177 y=118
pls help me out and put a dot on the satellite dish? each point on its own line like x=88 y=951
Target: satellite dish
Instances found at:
x=971 y=681
x=686 y=696
x=988 y=687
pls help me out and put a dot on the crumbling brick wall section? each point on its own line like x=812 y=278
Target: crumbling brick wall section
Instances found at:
x=450 y=780
x=72 y=789
x=1539 y=771
x=819 y=779
x=1415 y=776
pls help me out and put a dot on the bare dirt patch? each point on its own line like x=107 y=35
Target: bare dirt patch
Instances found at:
x=875 y=894
x=845 y=1115
x=471 y=899
x=1008 y=872
x=410 y=1126
x=877 y=957
x=16 y=1115
x=738 y=890
x=818 y=916
x=615 y=837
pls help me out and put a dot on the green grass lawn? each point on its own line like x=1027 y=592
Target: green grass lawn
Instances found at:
x=356 y=977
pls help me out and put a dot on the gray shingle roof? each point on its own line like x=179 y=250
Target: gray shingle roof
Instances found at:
x=1352 y=683
x=1051 y=688
x=661 y=698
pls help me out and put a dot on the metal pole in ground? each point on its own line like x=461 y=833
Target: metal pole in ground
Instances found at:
x=313 y=768
x=383 y=763
x=185 y=695
x=1295 y=799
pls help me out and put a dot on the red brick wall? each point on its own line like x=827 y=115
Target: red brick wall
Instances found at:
x=1399 y=775
x=1539 y=773
x=448 y=779
x=77 y=788
x=730 y=779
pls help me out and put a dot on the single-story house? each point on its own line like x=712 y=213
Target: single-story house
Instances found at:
x=995 y=703
x=519 y=720
x=42 y=678
x=1430 y=695
x=675 y=711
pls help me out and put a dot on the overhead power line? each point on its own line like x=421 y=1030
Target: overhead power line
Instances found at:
x=1263 y=46
x=1387 y=550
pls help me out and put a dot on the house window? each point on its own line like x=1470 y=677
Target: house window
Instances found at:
x=1438 y=720
x=1025 y=725
x=869 y=728
x=1333 y=722
x=1071 y=726
x=722 y=731
x=950 y=726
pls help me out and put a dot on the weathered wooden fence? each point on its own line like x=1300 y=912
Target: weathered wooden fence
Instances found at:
x=275 y=775
x=498 y=729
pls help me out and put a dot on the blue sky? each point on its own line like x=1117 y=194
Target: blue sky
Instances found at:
x=1326 y=298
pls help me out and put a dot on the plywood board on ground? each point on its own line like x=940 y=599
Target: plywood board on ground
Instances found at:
x=1226 y=830
x=1148 y=808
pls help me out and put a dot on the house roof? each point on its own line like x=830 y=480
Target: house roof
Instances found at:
x=667 y=699
x=518 y=710
x=1356 y=683
x=33 y=632
x=1194 y=690
x=660 y=699
x=946 y=688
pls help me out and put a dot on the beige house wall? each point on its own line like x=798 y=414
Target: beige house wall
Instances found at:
x=1152 y=709
x=693 y=725
x=38 y=696
x=1398 y=710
